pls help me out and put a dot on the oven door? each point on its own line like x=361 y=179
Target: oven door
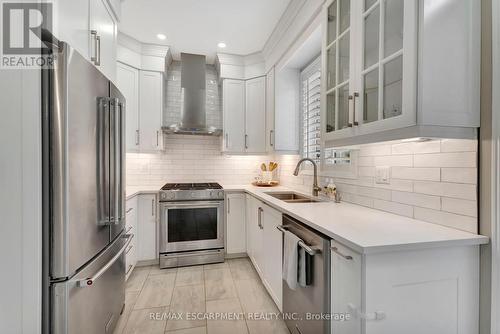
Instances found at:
x=187 y=226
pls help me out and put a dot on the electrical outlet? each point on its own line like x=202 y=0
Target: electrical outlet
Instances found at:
x=383 y=175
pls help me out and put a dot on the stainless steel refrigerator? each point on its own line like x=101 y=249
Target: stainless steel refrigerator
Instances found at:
x=83 y=117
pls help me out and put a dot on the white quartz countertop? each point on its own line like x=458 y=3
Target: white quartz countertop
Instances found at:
x=363 y=229
x=132 y=191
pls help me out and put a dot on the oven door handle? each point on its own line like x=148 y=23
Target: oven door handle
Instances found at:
x=193 y=204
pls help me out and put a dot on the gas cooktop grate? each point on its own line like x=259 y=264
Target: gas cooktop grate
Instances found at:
x=191 y=186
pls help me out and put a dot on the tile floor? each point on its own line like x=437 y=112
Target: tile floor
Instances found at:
x=164 y=301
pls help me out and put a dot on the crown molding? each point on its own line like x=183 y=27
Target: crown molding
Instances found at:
x=144 y=49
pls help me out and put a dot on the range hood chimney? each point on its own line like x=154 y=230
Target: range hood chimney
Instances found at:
x=193 y=85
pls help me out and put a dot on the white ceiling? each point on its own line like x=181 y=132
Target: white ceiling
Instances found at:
x=196 y=26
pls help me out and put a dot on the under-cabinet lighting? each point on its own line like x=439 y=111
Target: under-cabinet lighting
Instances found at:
x=415 y=140
x=161 y=36
x=221 y=45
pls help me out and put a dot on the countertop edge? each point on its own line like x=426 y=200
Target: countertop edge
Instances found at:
x=474 y=240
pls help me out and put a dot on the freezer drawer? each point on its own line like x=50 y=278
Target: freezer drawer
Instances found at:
x=89 y=303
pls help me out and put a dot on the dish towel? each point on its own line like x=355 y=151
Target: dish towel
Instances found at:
x=290 y=259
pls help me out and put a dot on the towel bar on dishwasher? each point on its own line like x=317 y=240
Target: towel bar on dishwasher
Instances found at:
x=311 y=251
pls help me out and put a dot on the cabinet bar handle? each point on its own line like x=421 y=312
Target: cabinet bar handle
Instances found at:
x=228 y=205
x=98 y=40
x=354 y=108
x=271 y=137
x=93 y=58
x=157 y=140
x=227 y=140
x=137 y=137
x=259 y=221
x=246 y=141
x=129 y=209
x=152 y=207
x=351 y=98
x=336 y=251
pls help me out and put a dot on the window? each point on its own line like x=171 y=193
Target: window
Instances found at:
x=310 y=89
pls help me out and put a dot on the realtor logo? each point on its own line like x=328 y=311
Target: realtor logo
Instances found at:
x=22 y=25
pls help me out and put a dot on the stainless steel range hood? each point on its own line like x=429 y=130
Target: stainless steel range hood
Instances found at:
x=193 y=85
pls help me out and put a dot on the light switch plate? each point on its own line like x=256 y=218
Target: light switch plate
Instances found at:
x=383 y=175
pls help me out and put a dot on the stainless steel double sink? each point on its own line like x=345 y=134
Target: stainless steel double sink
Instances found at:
x=293 y=197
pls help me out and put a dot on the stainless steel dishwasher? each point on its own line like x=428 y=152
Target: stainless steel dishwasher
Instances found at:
x=313 y=300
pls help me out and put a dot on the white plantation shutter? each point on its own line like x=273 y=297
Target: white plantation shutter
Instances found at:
x=311 y=118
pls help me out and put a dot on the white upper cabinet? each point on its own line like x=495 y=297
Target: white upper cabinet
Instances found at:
x=103 y=38
x=244 y=112
x=255 y=115
x=151 y=108
x=127 y=80
x=370 y=79
x=286 y=112
x=73 y=27
x=90 y=27
x=233 y=105
x=270 y=135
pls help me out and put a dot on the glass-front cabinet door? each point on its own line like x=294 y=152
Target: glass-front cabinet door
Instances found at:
x=338 y=66
x=370 y=61
x=387 y=80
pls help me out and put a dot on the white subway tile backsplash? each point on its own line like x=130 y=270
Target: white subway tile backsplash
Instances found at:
x=394 y=160
x=375 y=150
x=446 y=189
x=396 y=184
x=393 y=207
x=461 y=159
x=191 y=159
x=365 y=161
x=460 y=222
x=434 y=181
x=458 y=145
x=459 y=175
x=407 y=173
x=433 y=146
x=459 y=206
x=421 y=200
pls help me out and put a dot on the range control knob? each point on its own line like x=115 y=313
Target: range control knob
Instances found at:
x=193 y=194
x=171 y=195
x=220 y=194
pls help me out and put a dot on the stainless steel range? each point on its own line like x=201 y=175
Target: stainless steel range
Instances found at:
x=192 y=224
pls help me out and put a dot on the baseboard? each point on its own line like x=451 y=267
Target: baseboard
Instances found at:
x=236 y=255
x=146 y=263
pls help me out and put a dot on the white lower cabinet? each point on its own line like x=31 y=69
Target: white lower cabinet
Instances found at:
x=235 y=224
x=264 y=245
x=272 y=253
x=433 y=291
x=146 y=227
x=131 y=228
x=251 y=225
x=346 y=288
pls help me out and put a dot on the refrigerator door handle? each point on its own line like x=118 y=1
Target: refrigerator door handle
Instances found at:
x=121 y=194
x=89 y=282
x=103 y=155
x=117 y=133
